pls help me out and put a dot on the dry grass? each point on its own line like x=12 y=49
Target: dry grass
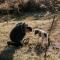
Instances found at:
x=30 y=53
x=25 y=4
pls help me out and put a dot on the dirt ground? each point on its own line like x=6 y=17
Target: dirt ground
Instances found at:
x=30 y=52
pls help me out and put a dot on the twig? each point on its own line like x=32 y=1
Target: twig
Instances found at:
x=52 y=25
x=49 y=31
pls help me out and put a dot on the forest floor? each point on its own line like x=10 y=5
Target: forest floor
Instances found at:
x=26 y=52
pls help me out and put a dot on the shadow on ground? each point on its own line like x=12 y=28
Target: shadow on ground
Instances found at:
x=7 y=53
x=19 y=17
